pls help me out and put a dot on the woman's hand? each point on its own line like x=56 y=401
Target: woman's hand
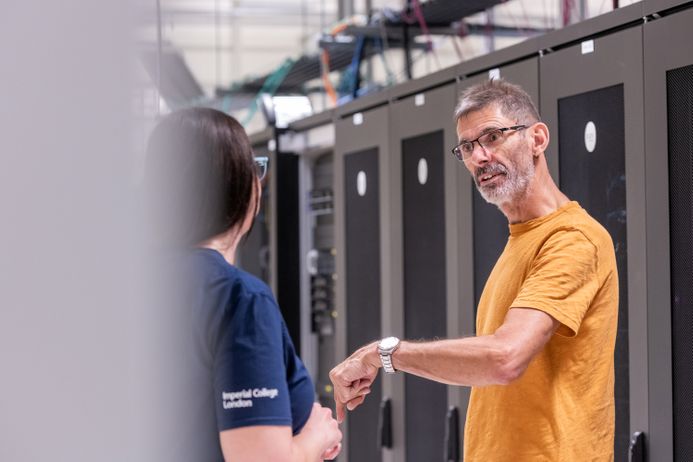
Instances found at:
x=319 y=439
x=322 y=431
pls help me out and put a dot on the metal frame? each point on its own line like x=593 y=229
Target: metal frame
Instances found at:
x=561 y=77
x=308 y=138
x=660 y=57
x=657 y=6
x=499 y=59
x=350 y=138
x=599 y=25
x=408 y=119
x=428 y=82
x=316 y=120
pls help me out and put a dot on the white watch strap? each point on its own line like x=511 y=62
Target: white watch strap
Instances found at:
x=386 y=360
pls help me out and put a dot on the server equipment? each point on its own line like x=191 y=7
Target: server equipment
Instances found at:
x=592 y=101
x=312 y=139
x=669 y=203
x=397 y=240
x=424 y=208
x=363 y=229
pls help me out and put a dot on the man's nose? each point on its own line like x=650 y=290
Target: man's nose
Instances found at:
x=479 y=156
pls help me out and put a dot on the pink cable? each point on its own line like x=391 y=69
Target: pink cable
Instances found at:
x=424 y=28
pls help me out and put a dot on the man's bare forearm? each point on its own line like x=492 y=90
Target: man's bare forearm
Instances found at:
x=472 y=361
x=496 y=359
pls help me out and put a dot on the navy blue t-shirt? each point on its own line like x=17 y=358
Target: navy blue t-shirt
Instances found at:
x=242 y=341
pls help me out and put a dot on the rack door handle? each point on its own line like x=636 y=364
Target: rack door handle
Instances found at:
x=452 y=435
x=636 y=451
x=385 y=424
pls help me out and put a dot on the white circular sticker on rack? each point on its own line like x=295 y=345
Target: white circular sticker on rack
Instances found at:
x=423 y=171
x=361 y=183
x=590 y=136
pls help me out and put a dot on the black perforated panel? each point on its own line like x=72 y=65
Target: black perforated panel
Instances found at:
x=597 y=180
x=363 y=289
x=490 y=237
x=288 y=245
x=423 y=216
x=680 y=123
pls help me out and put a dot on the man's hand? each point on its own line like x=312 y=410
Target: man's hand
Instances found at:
x=352 y=379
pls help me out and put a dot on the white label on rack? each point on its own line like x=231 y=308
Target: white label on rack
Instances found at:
x=494 y=74
x=272 y=145
x=420 y=99
x=422 y=171
x=587 y=46
x=358 y=118
x=590 y=136
x=361 y=183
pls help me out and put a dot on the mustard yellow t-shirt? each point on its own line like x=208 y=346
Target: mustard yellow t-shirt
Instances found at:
x=562 y=408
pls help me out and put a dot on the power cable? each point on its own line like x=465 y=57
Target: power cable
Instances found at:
x=326 y=82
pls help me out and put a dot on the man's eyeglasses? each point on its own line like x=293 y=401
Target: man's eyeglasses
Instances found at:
x=261 y=164
x=487 y=141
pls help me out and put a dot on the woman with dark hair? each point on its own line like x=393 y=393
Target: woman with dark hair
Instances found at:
x=251 y=397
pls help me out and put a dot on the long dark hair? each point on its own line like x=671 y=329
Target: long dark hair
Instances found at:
x=200 y=174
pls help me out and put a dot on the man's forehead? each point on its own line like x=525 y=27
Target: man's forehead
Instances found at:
x=479 y=121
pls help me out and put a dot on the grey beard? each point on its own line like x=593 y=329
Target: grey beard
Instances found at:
x=514 y=187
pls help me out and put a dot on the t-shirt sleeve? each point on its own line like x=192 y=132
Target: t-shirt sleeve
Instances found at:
x=563 y=280
x=250 y=386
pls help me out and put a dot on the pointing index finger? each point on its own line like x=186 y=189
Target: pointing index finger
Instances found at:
x=339 y=406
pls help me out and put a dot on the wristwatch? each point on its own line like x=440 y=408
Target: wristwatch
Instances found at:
x=386 y=347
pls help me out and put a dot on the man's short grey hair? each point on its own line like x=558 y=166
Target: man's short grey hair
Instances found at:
x=512 y=100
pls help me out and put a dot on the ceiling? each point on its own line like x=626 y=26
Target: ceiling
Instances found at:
x=213 y=45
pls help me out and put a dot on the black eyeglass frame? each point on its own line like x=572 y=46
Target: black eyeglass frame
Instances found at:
x=262 y=165
x=502 y=130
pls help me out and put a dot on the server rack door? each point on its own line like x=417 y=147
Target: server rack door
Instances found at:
x=431 y=226
x=490 y=225
x=322 y=273
x=362 y=212
x=423 y=213
x=288 y=244
x=680 y=119
x=363 y=283
x=594 y=175
x=591 y=96
x=668 y=135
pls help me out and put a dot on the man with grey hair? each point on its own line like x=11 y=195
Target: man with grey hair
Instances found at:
x=541 y=366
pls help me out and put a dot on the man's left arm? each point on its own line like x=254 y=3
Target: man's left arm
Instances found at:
x=494 y=359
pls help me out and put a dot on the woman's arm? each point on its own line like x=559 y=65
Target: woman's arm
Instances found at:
x=319 y=440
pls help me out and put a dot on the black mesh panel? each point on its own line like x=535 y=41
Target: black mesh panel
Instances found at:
x=288 y=240
x=423 y=194
x=680 y=120
x=490 y=236
x=363 y=290
x=597 y=180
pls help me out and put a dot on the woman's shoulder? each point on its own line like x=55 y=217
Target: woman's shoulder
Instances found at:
x=250 y=284
x=218 y=272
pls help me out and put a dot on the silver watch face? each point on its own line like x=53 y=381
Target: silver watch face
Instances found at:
x=388 y=343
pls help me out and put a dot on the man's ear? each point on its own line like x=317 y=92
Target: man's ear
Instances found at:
x=539 y=134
